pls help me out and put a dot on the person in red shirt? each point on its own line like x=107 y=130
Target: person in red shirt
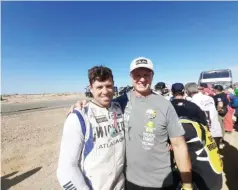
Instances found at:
x=205 y=89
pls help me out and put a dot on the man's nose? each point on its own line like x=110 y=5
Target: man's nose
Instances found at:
x=104 y=90
x=142 y=79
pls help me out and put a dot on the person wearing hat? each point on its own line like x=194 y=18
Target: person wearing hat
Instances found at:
x=161 y=88
x=150 y=121
x=185 y=108
x=204 y=174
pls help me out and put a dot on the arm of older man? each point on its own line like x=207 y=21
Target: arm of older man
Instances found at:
x=181 y=155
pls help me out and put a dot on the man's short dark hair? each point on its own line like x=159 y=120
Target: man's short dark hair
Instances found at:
x=99 y=73
x=219 y=88
x=204 y=85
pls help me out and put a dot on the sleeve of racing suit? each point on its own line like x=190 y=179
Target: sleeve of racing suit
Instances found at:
x=68 y=172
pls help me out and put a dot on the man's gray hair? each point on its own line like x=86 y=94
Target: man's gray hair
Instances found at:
x=191 y=88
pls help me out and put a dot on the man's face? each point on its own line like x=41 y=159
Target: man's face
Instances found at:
x=216 y=91
x=142 y=79
x=103 y=92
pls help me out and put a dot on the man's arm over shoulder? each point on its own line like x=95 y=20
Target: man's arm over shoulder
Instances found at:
x=122 y=100
x=68 y=172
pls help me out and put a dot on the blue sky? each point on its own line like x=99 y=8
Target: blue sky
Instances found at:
x=49 y=46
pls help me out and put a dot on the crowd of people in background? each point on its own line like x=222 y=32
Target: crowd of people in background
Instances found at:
x=225 y=99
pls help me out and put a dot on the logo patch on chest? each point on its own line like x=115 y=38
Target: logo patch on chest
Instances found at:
x=150 y=127
x=151 y=114
x=101 y=119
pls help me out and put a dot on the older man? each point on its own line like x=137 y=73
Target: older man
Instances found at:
x=206 y=103
x=150 y=120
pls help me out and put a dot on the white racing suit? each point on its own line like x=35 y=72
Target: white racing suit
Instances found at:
x=92 y=152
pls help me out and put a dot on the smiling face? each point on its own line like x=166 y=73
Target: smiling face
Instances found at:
x=101 y=85
x=103 y=92
x=141 y=80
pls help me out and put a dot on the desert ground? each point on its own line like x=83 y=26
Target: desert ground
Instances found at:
x=15 y=104
x=30 y=148
x=27 y=98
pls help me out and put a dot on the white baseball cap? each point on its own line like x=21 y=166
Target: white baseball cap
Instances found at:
x=141 y=62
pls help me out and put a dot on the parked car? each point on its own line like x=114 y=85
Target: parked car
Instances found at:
x=88 y=93
x=124 y=90
x=115 y=91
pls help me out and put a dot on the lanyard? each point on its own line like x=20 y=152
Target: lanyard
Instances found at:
x=115 y=121
x=114 y=129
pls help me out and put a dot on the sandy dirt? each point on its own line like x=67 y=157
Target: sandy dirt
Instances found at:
x=27 y=98
x=30 y=149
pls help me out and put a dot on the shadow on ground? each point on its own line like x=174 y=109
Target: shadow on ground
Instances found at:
x=230 y=161
x=7 y=181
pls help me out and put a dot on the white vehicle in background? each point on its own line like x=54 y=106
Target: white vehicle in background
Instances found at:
x=215 y=77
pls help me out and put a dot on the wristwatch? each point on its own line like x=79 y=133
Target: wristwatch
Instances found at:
x=186 y=187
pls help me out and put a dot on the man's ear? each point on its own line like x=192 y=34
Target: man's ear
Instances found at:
x=90 y=88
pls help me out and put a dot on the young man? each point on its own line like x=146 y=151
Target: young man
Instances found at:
x=92 y=149
x=150 y=121
x=206 y=163
x=225 y=111
x=185 y=108
x=220 y=97
x=206 y=103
